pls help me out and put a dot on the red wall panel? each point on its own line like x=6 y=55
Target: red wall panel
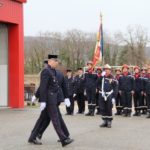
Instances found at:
x=11 y=12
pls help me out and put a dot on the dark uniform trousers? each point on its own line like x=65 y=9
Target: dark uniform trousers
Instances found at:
x=148 y=102
x=70 y=110
x=144 y=104
x=80 y=102
x=97 y=103
x=147 y=92
x=70 y=90
x=127 y=102
x=106 y=107
x=91 y=97
x=137 y=101
x=119 y=104
x=47 y=121
x=50 y=113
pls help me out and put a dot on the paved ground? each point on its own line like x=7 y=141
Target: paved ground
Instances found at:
x=126 y=133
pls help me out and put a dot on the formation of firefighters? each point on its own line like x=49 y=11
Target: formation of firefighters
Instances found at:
x=103 y=90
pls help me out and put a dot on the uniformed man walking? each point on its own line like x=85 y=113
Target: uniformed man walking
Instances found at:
x=48 y=93
x=43 y=121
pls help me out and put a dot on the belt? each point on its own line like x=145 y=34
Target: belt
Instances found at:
x=106 y=93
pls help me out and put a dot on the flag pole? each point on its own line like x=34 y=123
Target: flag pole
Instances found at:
x=102 y=44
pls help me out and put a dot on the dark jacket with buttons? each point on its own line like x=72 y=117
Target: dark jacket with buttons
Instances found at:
x=147 y=85
x=62 y=91
x=79 y=84
x=70 y=85
x=126 y=83
x=138 y=84
x=109 y=84
x=90 y=80
x=49 y=86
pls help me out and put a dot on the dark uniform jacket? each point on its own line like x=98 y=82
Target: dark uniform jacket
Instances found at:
x=70 y=85
x=62 y=92
x=147 y=84
x=138 y=86
x=79 y=84
x=126 y=83
x=90 y=80
x=48 y=86
x=109 y=84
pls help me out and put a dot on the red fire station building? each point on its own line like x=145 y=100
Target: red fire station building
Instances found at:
x=11 y=53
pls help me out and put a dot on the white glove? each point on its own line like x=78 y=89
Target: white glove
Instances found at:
x=33 y=99
x=74 y=95
x=103 y=73
x=84 y=92
x=67 y=102
x=113 y=101
x=42 y=106
x=103 y=94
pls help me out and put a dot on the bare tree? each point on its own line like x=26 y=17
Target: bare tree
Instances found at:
x=134 y=41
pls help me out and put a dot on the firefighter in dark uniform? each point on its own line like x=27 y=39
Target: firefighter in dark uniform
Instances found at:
x=126 y=90
x=48 y=95
x=119 y=105
x=40 y=128
x=138 y=91
x=79 y=91
x=108 y=89
x=70 y=88
x=147 y=90
x=99 y=75
x=90 y=78
x=144 y=101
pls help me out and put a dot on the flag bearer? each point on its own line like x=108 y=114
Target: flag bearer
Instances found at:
x=90 y=79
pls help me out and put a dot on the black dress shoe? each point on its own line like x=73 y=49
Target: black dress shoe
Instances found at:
x=109 y=124
x=117 y=113
x=39 y=136
x=98 y=113
x=104 y=124
x=35 y=141
x=60 y=141
x=135 y=114
x=88 y=114
x=66 y=142
x=148 y=116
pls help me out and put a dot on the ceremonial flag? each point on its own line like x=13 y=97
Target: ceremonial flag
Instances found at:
x=98 y=53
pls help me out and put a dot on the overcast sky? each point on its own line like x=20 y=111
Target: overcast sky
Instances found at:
x=63 y=15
